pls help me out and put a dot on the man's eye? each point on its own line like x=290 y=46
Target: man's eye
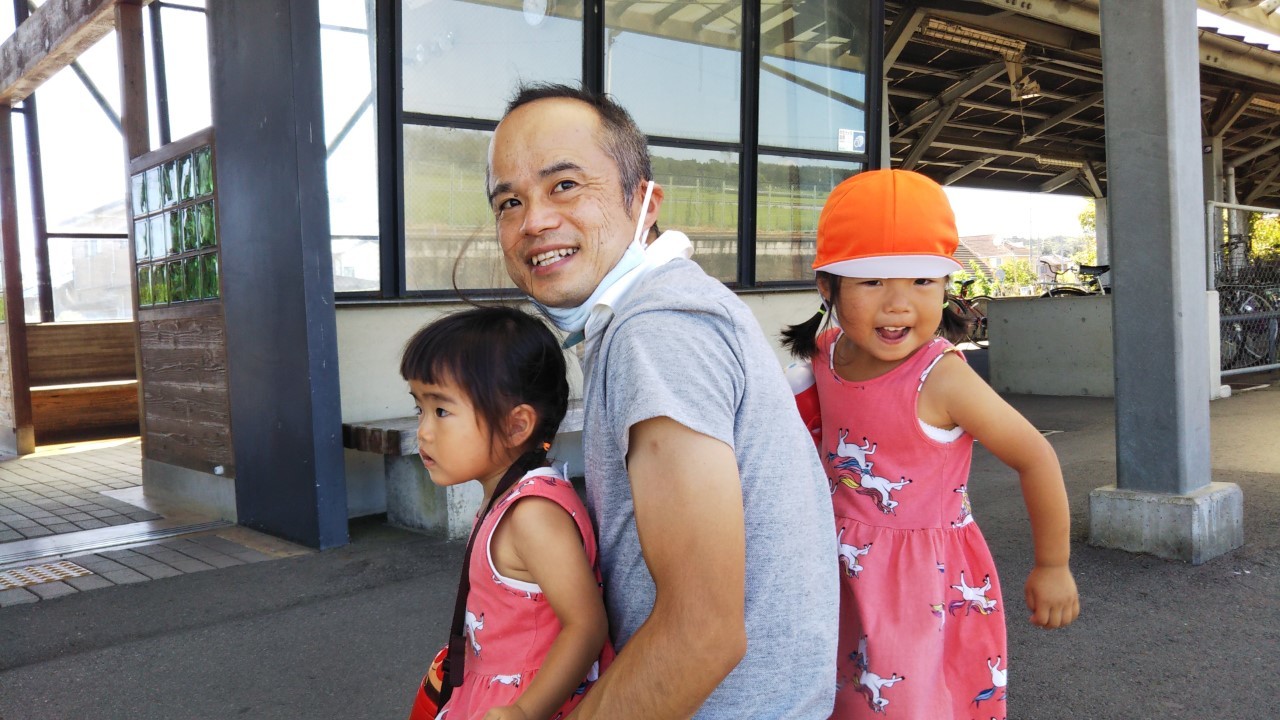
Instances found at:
x=565 y=185
x=508 y=204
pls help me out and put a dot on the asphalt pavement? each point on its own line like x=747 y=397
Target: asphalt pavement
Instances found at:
x=347 y=633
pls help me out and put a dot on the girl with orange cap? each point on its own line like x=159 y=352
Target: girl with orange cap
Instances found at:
x=895 y=410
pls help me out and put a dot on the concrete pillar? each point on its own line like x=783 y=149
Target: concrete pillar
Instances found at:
x=1164 y=501
x=1102 y=230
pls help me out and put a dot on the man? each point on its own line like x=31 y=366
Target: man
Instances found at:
x=714 y=516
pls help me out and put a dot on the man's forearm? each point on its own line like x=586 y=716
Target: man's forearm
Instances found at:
x=667 y=669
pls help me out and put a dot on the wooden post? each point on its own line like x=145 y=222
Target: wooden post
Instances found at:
x=15 y=322
x=132 y=55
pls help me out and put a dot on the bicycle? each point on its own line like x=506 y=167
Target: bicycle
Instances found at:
x=1246 y=339
x=1090 y=281
x=973 y=310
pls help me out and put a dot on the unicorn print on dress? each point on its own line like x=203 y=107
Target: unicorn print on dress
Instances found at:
x=512 y=680
x=849 y=555
x=999 y=681
x=878 y=489
x=966 y=510
x=871 y=684
x=855 y=456
x=973 y=598
x=473 y=625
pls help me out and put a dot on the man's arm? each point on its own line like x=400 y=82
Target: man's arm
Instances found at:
x=688 y=505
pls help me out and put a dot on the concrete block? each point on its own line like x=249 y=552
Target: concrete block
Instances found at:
x=1051 y=346
x=416 y=503
x=1193 y=528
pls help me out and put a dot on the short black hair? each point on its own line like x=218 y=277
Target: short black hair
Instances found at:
x=501 y=357
x=621 y=138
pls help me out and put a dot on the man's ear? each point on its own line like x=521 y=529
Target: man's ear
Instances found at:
x=521 y=422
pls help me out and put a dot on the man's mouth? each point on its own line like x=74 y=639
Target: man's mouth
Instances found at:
x=893 y=333
x=551 y=256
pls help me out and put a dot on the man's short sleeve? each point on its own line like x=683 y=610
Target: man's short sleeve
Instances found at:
x=685 y=365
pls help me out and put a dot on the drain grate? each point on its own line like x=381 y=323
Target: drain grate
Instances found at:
x=36 y=574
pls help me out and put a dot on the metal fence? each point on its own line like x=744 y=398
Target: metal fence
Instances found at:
x=1244 y=267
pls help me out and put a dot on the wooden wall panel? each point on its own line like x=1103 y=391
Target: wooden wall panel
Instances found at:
x=63 y=353
x=184 y=379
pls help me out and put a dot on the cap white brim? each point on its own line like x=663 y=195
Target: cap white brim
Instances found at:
x=894 y=266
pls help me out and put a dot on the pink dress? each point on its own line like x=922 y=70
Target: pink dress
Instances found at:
x=922 y=631
x=509 y=623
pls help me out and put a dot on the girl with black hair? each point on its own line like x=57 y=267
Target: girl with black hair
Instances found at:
x=530 y=631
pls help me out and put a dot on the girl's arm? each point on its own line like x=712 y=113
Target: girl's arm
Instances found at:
x=548 y=547
x=955 y=395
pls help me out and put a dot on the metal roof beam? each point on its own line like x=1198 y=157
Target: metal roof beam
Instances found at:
x=896 y=39
x=1260 y=189
x=1056 y=182
x=926 y=139
x=1223 y=117
x=955 y=92
x=1070 y=112
x=1256 y=152
x=975 y=165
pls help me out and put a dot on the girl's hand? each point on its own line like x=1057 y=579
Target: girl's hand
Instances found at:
x=506 y=712
x=1052 y=596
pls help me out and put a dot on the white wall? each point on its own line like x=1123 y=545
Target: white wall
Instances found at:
x=371 y=338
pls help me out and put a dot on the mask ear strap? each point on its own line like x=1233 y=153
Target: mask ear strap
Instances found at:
x=640 y=226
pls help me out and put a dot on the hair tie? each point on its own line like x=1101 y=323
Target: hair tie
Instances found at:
x=822 y=310
x=546 y=447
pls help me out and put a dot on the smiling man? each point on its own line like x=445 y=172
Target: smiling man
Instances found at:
x=714 y=516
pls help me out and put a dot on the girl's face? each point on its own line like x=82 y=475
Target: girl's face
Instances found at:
x=453 y=441
x=885 y=320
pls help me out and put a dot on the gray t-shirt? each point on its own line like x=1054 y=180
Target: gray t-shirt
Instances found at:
x=683 y=346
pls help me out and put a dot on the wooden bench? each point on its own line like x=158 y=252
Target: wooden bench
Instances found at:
x=413 y=501
x=83 y=380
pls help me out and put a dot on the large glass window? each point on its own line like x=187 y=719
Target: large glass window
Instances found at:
x=813 y=75
x=463 y=58
x=447 y=220
x=677 y=67
x=701 y=200
x=789 y=200
x=348 y=43
x=759 y=151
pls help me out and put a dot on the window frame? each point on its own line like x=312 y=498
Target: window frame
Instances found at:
x=392 y=119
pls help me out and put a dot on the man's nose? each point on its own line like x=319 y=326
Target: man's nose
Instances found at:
x=540 y=215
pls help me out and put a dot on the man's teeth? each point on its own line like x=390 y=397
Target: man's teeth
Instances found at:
x=551 y=256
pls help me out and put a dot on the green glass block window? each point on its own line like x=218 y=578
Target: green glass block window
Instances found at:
x=209 y=269
x=159 y=285
x=154 y=197
x=158 y=236
x=204 y=171
x=186 y=177
x=169 y=183
x=177 y=289
x=138 y=186
x=191 y=279
x=207 y=236
x=141 y=245
x=175 y=231
x=189 y=221
x=144 y=286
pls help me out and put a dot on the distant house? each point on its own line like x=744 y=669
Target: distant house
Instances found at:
x=989 y=252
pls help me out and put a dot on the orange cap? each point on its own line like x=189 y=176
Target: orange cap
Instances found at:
x=887 y=224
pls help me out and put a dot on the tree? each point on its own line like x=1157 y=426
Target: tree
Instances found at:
x=1088 y=218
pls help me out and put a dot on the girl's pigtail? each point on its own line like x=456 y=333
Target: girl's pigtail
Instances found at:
x=802 y=340
x=955 y=323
